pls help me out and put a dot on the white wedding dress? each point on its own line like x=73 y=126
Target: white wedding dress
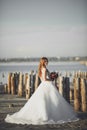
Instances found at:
x=46 y=106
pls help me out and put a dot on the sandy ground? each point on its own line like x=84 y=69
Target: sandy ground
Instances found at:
x=11 y=104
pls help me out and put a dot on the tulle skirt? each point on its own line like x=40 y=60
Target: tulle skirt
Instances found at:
x=46 y=106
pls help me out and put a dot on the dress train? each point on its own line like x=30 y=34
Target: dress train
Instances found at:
x=46 y=106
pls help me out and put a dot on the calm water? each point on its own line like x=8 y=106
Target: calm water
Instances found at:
x=61 y=67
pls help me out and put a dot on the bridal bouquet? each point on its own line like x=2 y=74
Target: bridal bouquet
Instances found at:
x=53 y=75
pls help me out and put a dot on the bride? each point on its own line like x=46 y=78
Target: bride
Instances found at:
x=46 y=105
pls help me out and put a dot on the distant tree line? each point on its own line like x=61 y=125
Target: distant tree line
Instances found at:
x=36 y=59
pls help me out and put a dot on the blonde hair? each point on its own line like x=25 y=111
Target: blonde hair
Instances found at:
x=41 y=64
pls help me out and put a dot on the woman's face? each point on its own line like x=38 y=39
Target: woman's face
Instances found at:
x=46 y=63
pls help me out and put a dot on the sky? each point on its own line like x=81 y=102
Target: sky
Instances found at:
x=36 y=28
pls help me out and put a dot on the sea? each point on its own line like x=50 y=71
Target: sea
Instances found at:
x=26 y=67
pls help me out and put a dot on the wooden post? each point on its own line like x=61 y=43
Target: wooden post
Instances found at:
x=83 y=96
x=32 y=82
x=71 y=94
x=9 y=83
x=25 y=82
x=23 y=85
x=76 y=75
x=20 y=86
x=28 y=87
x=16 y=82
x=12 y=85
x=67 y=87
x=60 y=85
x=85 y=76
x=5 y=88
x=64 y=87
x=76 y=95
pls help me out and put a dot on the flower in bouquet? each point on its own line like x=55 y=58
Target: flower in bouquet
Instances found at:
x=53 y=75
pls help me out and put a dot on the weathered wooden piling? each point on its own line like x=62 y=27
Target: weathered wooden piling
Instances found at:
x=9 y=83
x=32 y=82
x=12 y=85
x=71 y=94
x=25 y=82
x=85 y=75
x=5 y=88
x=83 y=96
x=77 y=92
x=66 y=91
x=76 y=95
x=27 y=86
x=16 y=82
x=60 y=86
x=20 y=86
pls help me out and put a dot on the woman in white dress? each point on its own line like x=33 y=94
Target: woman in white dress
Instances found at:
x=46 y=105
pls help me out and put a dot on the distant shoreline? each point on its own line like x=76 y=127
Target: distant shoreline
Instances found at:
x=37 y=59
x=81 y=61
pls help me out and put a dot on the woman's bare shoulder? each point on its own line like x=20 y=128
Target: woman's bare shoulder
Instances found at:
x=43 y=69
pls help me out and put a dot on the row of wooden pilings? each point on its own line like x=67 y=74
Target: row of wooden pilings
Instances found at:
x=26 y=84
x=80 y=91
x=22 y=84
